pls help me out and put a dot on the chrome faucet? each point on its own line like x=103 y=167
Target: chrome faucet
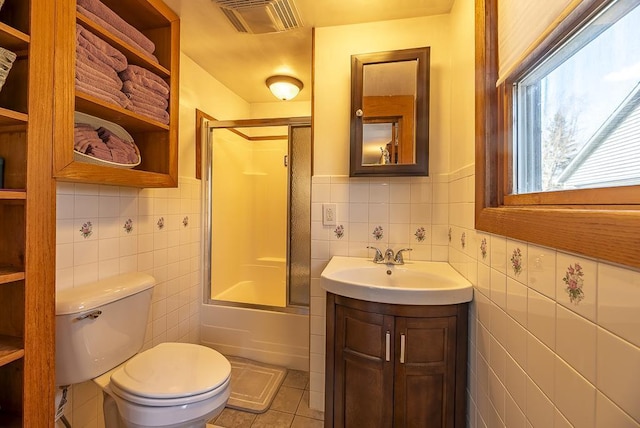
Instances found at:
x=388 y=258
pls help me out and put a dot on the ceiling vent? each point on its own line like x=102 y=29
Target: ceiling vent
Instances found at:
x=261 y=16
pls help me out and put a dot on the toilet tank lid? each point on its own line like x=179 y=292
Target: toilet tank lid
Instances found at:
x=91 y=296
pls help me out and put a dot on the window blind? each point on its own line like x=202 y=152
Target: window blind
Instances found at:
x=522 y=24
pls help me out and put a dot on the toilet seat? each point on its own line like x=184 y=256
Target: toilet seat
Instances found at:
x=172 y=374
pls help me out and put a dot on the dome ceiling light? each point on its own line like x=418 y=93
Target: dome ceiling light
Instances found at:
x=284 y=88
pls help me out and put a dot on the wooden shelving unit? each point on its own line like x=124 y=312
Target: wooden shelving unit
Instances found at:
x=27 y=217
x=158 y=143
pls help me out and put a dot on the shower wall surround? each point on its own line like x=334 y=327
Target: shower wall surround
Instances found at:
x=105 y=230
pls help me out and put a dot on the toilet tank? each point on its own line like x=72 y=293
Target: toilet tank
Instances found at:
x=100 y=325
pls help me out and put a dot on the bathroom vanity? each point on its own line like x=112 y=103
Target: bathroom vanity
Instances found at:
x=396 y=348
x=395 y=365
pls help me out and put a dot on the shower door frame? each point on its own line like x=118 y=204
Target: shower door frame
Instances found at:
x=207 y=128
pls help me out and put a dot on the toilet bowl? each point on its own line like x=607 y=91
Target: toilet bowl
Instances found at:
x=99 y=332
x=169 y=385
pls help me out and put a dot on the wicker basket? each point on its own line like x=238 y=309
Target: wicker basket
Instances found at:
x=118 y=130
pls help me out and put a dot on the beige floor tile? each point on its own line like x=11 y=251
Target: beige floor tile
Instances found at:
x=302 y=422
x=296 y=379
x=304 y=410
x=273 y=419
x=287 y=399
x=231 y=418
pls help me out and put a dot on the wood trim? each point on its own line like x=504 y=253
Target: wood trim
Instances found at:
x=577 y=221
x=200 y=115
x=39 y=283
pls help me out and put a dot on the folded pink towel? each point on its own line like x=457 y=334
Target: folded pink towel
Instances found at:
x=146 y=78
x=104 y=51
x=110 y=95
x=155 y=114
x=86 y=68
x=98 y=8
x=117 y=33
x=83 y=55
x=142 y=94
x=121 y=150
x=101 y=143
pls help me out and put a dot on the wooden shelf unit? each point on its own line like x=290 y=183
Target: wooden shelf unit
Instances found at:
x=158 y=143
x=27 y=213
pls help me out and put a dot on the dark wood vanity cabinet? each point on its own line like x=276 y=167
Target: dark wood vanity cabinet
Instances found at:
x=395 y=365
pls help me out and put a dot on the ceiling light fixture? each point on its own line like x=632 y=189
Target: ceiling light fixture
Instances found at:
x=284 y=88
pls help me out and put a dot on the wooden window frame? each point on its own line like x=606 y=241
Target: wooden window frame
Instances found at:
x=598 y=223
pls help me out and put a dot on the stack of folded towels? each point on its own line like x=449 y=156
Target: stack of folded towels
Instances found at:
x=103 y=144
x=147 y=92
x=103 y=71
x=102 y=15
x=97 y=67
x=6 y=62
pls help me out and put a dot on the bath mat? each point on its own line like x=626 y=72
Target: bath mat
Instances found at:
x=253 y=385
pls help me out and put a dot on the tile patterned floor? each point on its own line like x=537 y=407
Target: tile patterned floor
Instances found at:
x=290 y=409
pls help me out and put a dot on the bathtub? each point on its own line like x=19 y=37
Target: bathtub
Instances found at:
x=271 y=337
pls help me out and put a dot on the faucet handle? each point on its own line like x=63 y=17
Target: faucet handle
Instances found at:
x=399 y=259
x=378 y=257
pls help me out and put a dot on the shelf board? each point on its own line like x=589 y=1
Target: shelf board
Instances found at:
x=134 y=56
x=12 y=194
x=11 y=117
x=129 y=120
x=13 y=39
x=10 y=274
x=11 y=349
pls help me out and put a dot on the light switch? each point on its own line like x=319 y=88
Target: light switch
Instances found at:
x=329 y=214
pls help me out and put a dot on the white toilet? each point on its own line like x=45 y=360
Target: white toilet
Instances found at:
x=99 y=330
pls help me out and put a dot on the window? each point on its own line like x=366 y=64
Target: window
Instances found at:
x=577 y=115
x=558 y=139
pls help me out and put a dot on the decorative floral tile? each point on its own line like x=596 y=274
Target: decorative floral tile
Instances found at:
x=420 y=234
x=128 y=226
x=86 y=230
x=339 y=231
x=160 y=223
x=574 y=281
x=516 y=258
x=516 y=261
x=185 y=221
x=483 y=248
x=576 y=284
x=378 y=233
x=463 y=239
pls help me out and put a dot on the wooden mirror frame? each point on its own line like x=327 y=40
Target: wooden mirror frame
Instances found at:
x=421 y=165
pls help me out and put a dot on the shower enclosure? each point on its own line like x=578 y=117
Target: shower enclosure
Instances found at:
x=257 y=185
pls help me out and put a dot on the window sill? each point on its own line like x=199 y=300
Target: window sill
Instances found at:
x=611 y=235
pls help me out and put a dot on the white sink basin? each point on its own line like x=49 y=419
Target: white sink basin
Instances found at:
x=414 y=283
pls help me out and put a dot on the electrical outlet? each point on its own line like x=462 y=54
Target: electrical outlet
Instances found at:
x=329 y=214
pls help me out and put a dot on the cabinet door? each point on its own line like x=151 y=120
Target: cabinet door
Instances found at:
x=363 y=373
x=425 y=372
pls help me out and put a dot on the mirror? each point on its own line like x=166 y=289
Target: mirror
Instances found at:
x=390 y=113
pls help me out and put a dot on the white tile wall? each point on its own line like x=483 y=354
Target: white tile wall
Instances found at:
x=171 y=254
x=561 y=363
